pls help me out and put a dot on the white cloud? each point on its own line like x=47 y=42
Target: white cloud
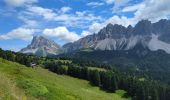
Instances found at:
x=95 y=4
x=85 y=33
x=119 y=20
x=153 y=10
x=109 y=1
x=74 y=19
x=65 y=9
x=19 y=33
x=78 y=20
x=61 y=33
x=133 y=8
x=45 y=12
x=28 y=23
x=95 y=27
x=17 y=3
x=118 y=4
x=80 y=13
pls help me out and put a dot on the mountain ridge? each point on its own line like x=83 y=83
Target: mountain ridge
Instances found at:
x=117 y=37
x=154 y=36
x=42 y=46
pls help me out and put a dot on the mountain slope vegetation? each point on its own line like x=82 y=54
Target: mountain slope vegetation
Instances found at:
x=107 y=77
x=138 y=61
x=25 y=83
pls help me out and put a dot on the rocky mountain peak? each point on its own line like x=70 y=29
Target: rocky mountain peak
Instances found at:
x=109 y=25
x=143 y=27
x=40 y=41
x=111 y=31
x=41 y=46
x=129 y=27
x=155 y=36
x=115 y=29
x=129 y=30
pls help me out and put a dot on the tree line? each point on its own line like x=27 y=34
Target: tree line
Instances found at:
x=138 y=89
x=109 y=80
x=19 y=57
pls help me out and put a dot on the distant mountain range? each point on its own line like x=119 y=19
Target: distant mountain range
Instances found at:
x=153 y=36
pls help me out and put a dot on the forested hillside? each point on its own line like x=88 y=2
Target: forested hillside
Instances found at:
x=19 y=82
x=108 y=78
x=138 y=61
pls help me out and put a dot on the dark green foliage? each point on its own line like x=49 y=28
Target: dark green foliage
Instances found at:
x=138 y=61
x=74 y=71
x=62 y=69
x=94 y=77
x=56 y=67
x=105 y=80
x=139 y=86
x=84 y=73
x=18 y=57
x=114 y=83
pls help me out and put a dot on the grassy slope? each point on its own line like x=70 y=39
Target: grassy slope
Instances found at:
x=50 y=85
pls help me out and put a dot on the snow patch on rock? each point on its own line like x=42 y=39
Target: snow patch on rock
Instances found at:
x=156 y=44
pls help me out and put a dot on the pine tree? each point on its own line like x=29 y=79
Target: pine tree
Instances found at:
x=105 y=80
x=155 y=95
x=84 y=72
x=94 y=77
x=114 y=85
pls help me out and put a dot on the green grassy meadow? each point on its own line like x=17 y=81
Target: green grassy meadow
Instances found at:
x=18 y=82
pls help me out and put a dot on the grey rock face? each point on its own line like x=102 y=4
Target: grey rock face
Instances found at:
x=41 y=46
x=154 y=36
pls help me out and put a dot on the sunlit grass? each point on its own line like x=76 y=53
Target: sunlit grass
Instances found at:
x=45 y=85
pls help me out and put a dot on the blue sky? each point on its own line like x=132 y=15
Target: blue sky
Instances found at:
x=69 y=20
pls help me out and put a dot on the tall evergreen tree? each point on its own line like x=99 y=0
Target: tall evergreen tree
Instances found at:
x=114 y=84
